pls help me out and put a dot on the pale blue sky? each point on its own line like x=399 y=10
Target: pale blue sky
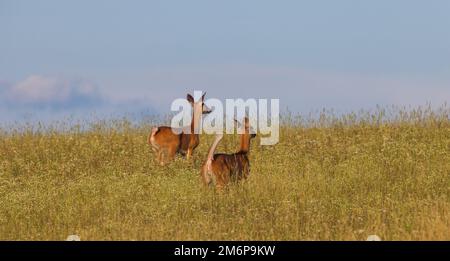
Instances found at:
x=127 y=55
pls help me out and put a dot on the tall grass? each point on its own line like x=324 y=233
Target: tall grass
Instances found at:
x=385 y=172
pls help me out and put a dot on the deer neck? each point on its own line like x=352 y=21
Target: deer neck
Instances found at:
x=245 y=143
x=195 y=123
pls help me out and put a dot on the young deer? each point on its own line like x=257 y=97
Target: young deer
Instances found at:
x=166 y=143
x=220 y=169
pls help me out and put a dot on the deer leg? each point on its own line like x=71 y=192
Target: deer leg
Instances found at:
x=171 y=152
x=245 y=171
x=161 y=157
x=157 y=153
x=189 y=154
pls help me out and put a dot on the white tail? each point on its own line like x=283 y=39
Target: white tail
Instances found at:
x=211 y=151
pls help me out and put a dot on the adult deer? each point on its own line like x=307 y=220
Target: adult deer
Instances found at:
x=220 y=169
x=166 y=142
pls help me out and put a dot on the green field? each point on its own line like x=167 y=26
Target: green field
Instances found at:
x=331 y=178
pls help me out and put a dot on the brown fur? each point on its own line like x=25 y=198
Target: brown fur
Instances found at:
x=166 y=143
x=221 y=169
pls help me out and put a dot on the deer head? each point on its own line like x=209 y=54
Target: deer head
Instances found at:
x=199 y=107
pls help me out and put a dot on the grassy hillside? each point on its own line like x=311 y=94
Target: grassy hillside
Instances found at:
x=334 y=178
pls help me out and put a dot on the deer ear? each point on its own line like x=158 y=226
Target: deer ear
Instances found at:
x=203 y=96
x=237 y=122
x=190 y=98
